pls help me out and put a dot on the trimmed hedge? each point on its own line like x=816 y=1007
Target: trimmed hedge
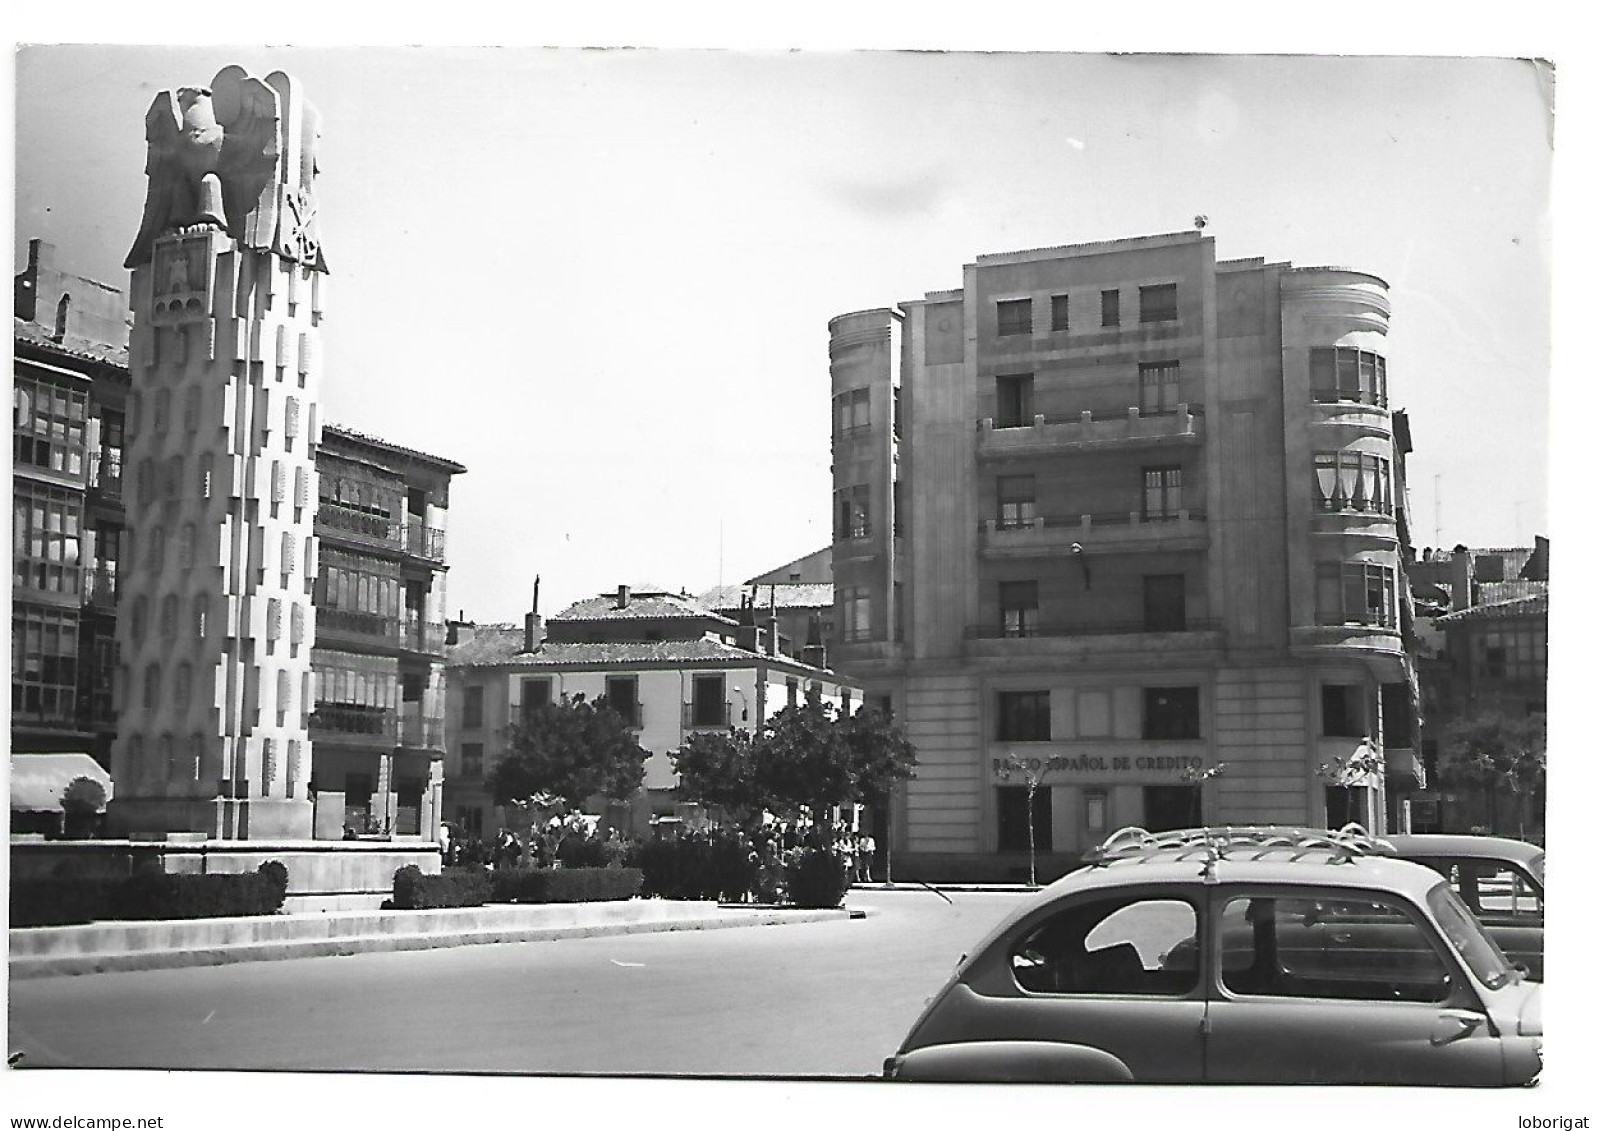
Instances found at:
x=565 y=885
x=817 y=877
x=149 y=895
x=463 y=886
x=718 y=866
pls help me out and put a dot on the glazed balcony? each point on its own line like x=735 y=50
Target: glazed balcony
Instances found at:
x=1082 y=433
x=339 y=523
x=360 y=628
x=1121 y=530
x=100 y=588
x=105 y=475
x=426 y=637
x=351 y=724
x=421 y=732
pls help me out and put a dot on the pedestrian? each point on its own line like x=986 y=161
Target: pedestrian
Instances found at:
x=863 y=860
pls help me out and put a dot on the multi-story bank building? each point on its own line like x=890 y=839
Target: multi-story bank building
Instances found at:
x=1127 y=523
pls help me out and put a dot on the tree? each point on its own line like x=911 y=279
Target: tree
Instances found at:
x=809 y=756
x=1493 y=753
x=1033 y=778
x=82 y=800
x=717 y=769
x=571 y=750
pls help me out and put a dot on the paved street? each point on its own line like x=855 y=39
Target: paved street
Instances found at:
x=818 y=999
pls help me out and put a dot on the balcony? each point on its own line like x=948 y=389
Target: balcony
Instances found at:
x=354 y=724
x=1121 y=530
x=425 y=542
x=1053 y=638
x=100 y=588
x=351 y=624
x=105 y=475
x=421 y=732
x=707 y=716
x=1082 y=433
x=362 y=528
x=426 y=637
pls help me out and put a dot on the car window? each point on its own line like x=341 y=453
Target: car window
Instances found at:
x=1348 y=949
x=1494 y=891
x=1111 y=946
x=1478 y=948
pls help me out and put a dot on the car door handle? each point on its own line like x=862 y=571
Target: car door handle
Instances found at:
x=1454 y=1024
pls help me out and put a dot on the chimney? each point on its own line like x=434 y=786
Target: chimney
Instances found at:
x=622 y=593
x=532 y=632
x=749 y=634
x=772 y=637
x=1461 y=579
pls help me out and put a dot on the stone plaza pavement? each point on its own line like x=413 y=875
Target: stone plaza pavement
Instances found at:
x=100 y=947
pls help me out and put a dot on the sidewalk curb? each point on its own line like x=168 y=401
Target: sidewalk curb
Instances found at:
x=48 y=965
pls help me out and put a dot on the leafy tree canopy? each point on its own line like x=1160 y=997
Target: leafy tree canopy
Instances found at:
x=717 y=768
x=1495 y=751
x=572 y=750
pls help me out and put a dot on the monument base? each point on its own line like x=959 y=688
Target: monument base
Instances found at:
x=220 y=818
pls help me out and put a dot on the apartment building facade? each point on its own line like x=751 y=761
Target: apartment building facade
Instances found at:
x=668 y=664
x=1130 y=521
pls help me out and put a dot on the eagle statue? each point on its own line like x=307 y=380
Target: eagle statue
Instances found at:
x=255 y=140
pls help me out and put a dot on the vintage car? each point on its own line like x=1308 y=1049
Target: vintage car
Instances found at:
x=1234 y=956
x=1500 y=879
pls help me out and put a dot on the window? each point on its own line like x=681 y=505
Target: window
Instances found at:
x=1359 y=950
x=1018 y=607
x=1096 y=809
x=1023 y=716
x=277 y=484
x=152 y=686
x=1343 y=711
x=157 y=553
x=288 y=550
x=1013 y=401
x=1353 y=481
x=206 y=461
x=536 y=693
x=169 y=615
x=1110 y=308
x=163 y=409
x=46 y=524
x=793 y=692
x=855 y=606
x=296 y=623
x=1165 y=602
x=186 y=537
x=1016 y=506
x=1158 y=390
x=291 y=422
x=1171 y=712
x=472 y=707
x=709 y=708
x=621 y=693
x=1116 y=945
x=471 y=759
x=48 y=426
x=202 y=605
x=852 y=411
x=852 y=509
x=1355 y=593
x=1517 y=653
x=1011 y=810
x=1347 y=374
x=191 y=409
x=1015 y=316
x=1059 y=321
x=1163 y=493
x=1158 y=303
x=44 y=664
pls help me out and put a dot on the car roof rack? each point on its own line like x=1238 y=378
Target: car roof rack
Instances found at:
x=1251 y=842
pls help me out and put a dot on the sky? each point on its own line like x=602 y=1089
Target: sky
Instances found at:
x=601 y=279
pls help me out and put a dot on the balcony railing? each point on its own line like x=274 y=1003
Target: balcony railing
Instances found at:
x=421 y=731
x=352 y=622
x=706 y=716
x=374 y=725
x=105 y=473
x=425 y=542
x=360 y=526
x=1056 y=629
x=423 y=636
x=100 y=588
x=1048 y=433
x=1055 y=533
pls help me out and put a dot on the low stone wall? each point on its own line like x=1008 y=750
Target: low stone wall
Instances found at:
x=100 y=947
x=324 y=875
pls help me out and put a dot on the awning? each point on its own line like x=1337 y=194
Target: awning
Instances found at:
x=38 y=779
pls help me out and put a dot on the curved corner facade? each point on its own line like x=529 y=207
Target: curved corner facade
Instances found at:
x=1144 y=547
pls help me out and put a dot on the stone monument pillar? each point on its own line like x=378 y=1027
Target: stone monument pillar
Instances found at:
x=215 y=621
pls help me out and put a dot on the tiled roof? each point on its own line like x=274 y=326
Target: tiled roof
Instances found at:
x=389 y=446
x=485 y=644
x=640 y=606
x=625 y=652
x=83 y=349
x=792 y=595
x=1499 y=610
